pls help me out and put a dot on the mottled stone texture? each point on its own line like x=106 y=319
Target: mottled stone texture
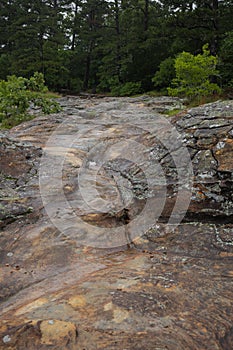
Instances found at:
x=18 y=178
x=170 y=289
x=208 y=132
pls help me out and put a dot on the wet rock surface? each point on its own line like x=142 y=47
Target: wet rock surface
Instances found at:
x=171 y=288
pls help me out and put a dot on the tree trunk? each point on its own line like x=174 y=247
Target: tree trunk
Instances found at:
x=74 y=31
x=118 y=47
x=215 y=24
x=146 y=15
x=88 y=66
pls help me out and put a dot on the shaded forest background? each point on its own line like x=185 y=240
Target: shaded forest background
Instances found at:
x=99 y=45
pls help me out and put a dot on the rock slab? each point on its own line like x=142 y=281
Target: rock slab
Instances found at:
x=171 y=288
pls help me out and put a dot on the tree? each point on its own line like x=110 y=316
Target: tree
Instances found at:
x=193 y=75
x=34 y=38
x=92 y=19
x=226 y=59
x=113 y=66
x=194 y=23
x=133 y=45
x=105 y=44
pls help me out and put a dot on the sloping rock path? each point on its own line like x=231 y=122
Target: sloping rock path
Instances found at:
x=117 y=227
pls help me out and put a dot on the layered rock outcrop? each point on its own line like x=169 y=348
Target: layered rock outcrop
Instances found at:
x=171 y=288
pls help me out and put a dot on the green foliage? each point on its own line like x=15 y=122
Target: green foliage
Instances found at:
x=4 y=66
x=127 y=89
x=16 y=96
x=108 y=84
x=130 y=89
x=87 y=44
x=166 y=73
x=116 y=88
x=193 y=74
x=36 y=83
x=226 y=59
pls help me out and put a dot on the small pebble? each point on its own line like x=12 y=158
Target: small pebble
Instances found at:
x=51 y=322
x=10 y=254
x=6 y=339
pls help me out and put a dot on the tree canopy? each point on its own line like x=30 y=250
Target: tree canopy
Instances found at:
x=102 y=45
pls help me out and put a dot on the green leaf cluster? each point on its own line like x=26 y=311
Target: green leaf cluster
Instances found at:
x=127 y=89
x=165 y=74
x=17 y=94
x=194 y=74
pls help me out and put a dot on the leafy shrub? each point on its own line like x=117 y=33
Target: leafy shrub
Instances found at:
x=116 y=88
x=36 y=83
x=16 y=96
x=114 y=85
x=166 y=73
x=193 y=75
x=130 y=88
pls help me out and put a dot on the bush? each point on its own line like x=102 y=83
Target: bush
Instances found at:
x=116 y=88
x=16 y=96
x=130 y=89
x=36 y=83
x=193 y=74
x=166 y=73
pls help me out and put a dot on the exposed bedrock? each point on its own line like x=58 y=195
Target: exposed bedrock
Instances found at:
x=71 y=182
